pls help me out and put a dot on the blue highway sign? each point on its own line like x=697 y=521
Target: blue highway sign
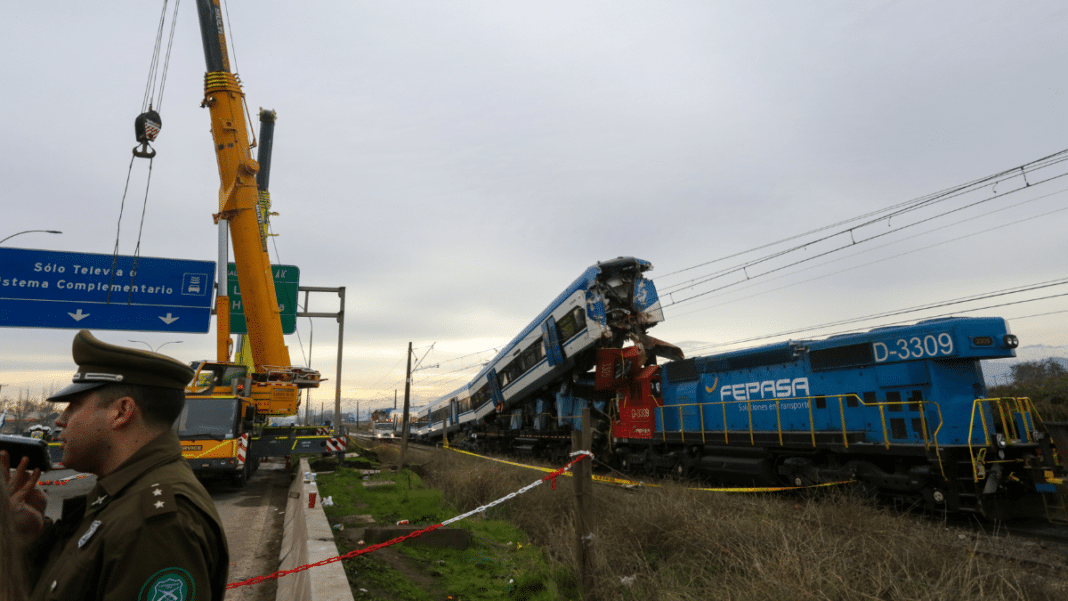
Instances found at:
x=50 y=289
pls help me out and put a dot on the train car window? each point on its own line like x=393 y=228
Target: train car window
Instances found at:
x=914 y=400
x=537 y=350
x=438 y=414
x=571 y=324
x=821 y=402
x=893 y=399
x=897 y=428
x=842 y=356
x=481 y=397
x=523 y=363
x=870 y=398
x=917 y=426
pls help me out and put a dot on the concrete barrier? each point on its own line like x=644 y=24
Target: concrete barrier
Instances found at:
x=306 y=539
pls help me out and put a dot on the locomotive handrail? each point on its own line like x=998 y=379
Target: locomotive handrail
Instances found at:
x=1020 y=405
x=841 y=412
x=929 y=438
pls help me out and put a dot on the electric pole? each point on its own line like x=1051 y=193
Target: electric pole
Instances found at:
x=407 y=398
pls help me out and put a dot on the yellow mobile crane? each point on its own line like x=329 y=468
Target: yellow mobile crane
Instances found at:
x=223 y=428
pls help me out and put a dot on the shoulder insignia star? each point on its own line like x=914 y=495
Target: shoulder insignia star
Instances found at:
x=100 y=500
x=157 y=492
x=159 y=504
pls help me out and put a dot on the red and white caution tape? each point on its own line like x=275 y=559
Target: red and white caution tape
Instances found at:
x=552 y=477
x=61 y=481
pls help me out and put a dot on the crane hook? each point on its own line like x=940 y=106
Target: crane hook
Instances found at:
x=146 y=128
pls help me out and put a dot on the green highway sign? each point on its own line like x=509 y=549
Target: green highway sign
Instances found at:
x=286 y=282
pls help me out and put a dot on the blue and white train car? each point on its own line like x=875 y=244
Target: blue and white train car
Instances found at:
x=526 y=388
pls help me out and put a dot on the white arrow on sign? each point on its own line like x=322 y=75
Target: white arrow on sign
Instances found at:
x=79 y=315
x=168 y=320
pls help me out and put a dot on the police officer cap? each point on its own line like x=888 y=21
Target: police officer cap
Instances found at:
x=100 y=364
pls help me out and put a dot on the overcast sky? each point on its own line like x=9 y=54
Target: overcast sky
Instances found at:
x=455 y=165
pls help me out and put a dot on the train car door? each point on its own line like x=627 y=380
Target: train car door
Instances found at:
x=553 y=353
x=495 y=389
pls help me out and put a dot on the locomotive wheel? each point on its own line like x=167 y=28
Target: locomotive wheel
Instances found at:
x=681 y=471
x=650 y=463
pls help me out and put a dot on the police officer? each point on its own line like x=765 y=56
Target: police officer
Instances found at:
x=148 y=530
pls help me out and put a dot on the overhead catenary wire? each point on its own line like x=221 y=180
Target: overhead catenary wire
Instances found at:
x=743 y=268
x=884 y=214
x=749 y=285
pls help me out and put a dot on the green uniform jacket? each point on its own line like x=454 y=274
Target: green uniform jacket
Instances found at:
x=147 y=531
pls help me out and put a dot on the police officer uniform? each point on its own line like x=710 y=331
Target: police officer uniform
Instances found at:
x=148 y=531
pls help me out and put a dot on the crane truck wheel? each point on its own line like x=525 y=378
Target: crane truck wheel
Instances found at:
x=241 y=477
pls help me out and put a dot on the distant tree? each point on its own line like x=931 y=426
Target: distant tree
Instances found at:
x=1031 y=372
x=25 y=408
x=1045 y=382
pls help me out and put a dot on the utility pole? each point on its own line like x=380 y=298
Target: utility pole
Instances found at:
x=407 y=399
x=394 y=398
x=583 y=480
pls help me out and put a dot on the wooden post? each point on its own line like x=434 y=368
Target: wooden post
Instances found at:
x=404 y=421
x=583 y=477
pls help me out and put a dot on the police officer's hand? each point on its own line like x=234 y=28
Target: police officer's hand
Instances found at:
x=27 y=501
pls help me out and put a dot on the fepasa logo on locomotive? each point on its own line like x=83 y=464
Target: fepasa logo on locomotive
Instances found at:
x=783 y=388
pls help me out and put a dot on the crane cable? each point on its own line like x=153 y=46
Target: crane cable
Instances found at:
x=147 y=127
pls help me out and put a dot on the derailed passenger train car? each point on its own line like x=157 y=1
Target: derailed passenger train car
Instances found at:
x=526 y=397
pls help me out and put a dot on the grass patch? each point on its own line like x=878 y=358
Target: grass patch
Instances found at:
x=500 y=563
x=379 y=579
x=679 y=544
x=669 y=543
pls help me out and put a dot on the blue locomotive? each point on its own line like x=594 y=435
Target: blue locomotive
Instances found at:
x=900 y=410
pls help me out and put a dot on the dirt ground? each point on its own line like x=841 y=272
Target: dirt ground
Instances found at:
x=352 y=537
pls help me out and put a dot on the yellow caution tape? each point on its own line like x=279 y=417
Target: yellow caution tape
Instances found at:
x=623 y=482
